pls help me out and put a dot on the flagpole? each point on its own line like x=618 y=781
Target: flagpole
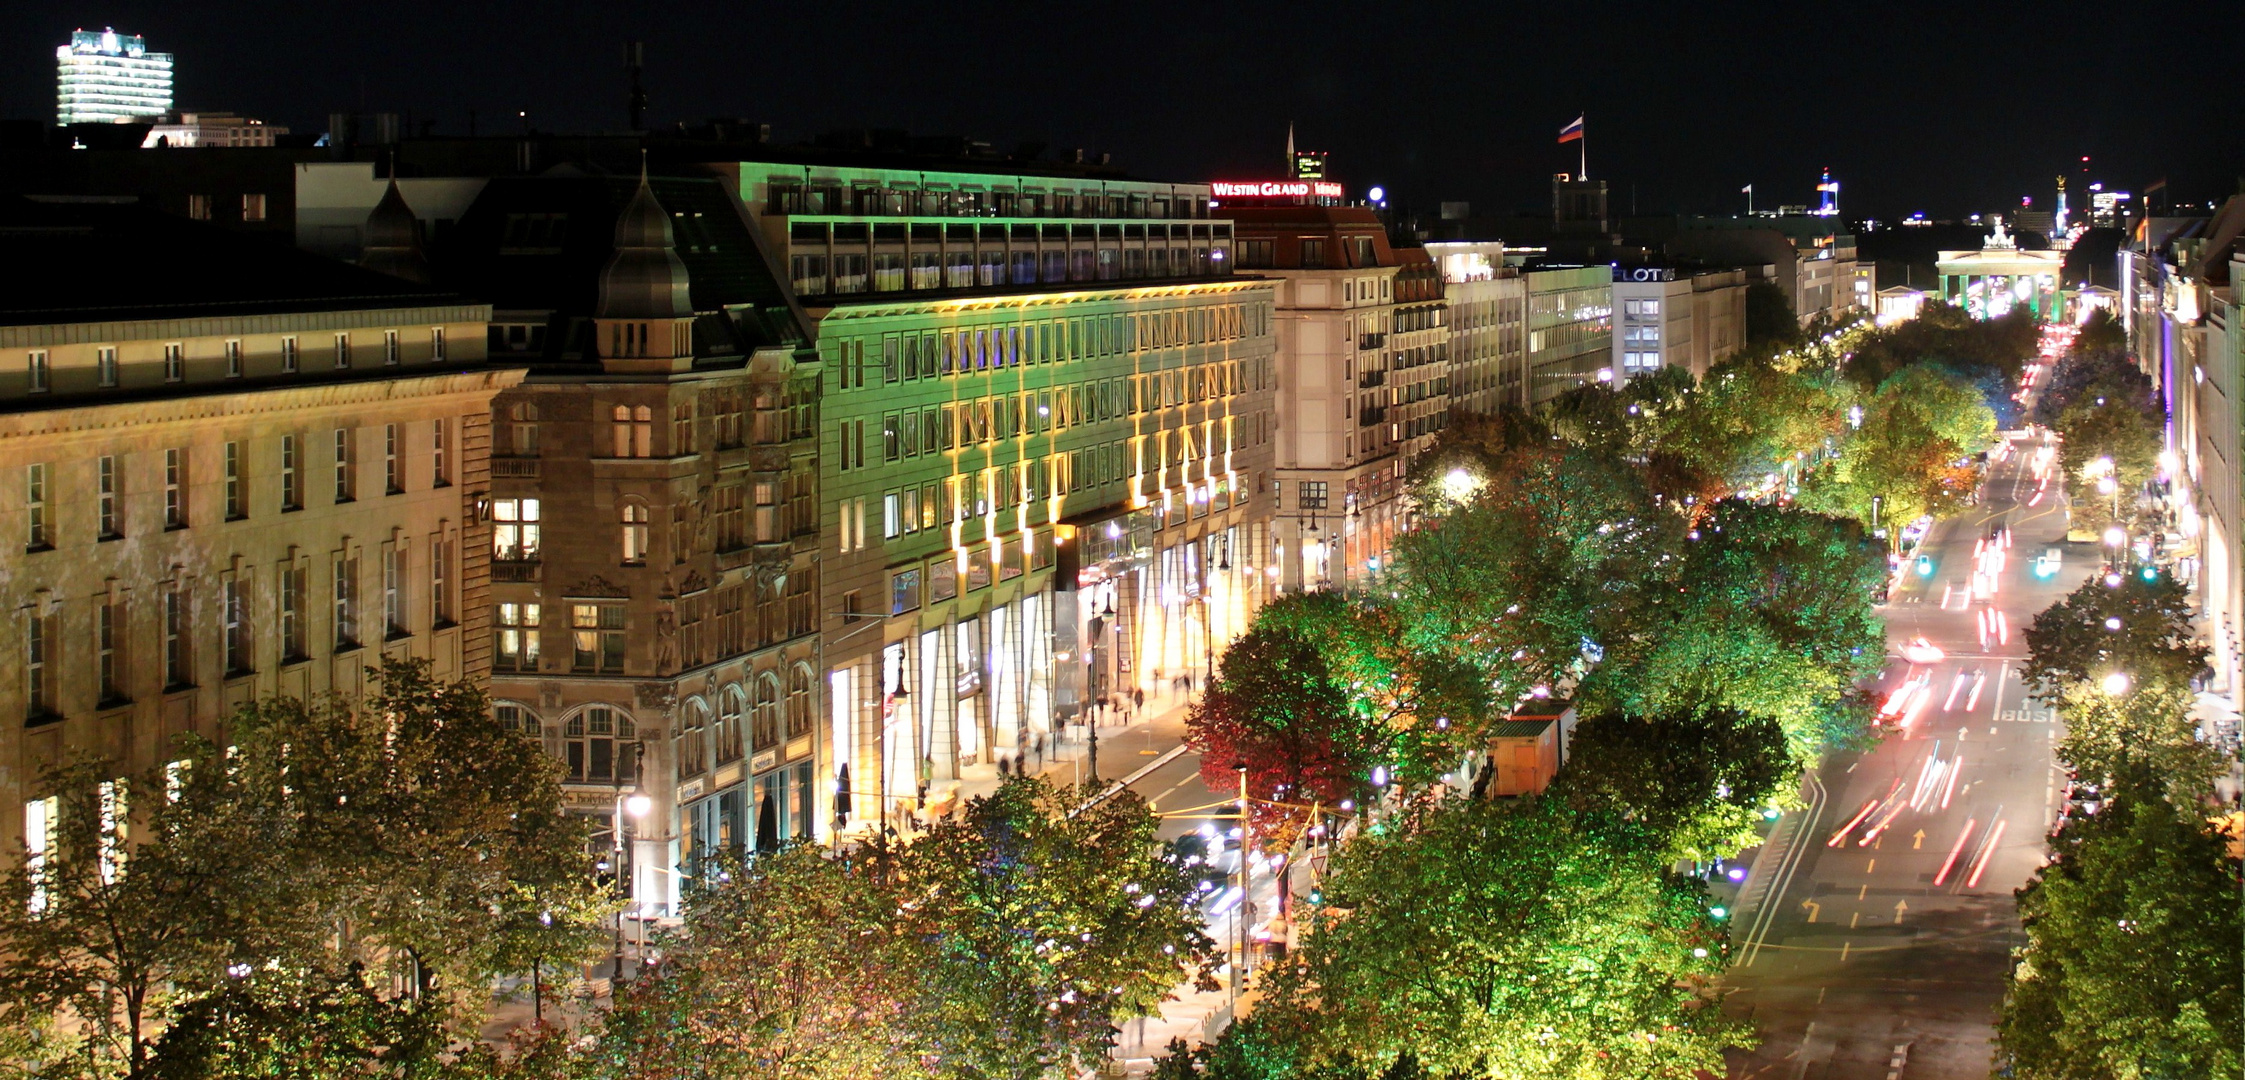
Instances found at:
x=1582 y=147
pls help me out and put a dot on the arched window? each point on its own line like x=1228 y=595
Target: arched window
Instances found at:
x=600 y=746
x=799 y=702
x=693 y=738
x=635 y=519
x=730 y=708
x=632 y=431
x=764 y=726
x=517 y=718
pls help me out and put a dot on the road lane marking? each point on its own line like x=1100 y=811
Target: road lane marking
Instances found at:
x=1852 y=918
x=1918 y=840
x=1872 y=867
x=1814 y=909
x=1900 y=906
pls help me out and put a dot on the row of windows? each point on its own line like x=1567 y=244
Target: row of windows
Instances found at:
x=791 y=195
x=287 y=358
x=904 y=357
x=290 y=467
x=405 y=597
x=896 y=271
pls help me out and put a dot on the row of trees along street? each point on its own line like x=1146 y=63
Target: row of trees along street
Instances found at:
x=339 y=889
x=1693 y=566
x=2132 y=966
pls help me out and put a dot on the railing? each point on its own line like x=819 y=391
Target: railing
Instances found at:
x=515 y=571
x=1371 y=379
x=514 y=468
x=1371 y=341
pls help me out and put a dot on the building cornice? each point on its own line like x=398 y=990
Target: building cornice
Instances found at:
x=111 y=331
x=905 y=305
x=233 y=406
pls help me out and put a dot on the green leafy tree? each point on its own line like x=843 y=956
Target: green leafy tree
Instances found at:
x=1695 y=783
x=1770 y=320
x=1771 y=615
x=2148 y=728
x=410 y=835
x=2131 y=967
x=2141 y=628
x=1046 y=922
x=293 y=1025
x=788 y=965
x=1507 y=939
x=1914 y=454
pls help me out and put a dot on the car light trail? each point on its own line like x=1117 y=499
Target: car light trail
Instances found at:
x=1987 y=852
x=1840 y=836
x=1956 y=765
x=1955 y=688
x=1950 y=863
x=1979 y=680
x=2003 y=629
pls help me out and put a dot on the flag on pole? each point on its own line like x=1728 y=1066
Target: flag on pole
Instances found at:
x=1747 y=190
x=1571 y=132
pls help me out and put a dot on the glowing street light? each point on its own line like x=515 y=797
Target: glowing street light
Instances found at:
x=2115 y=684
x=2116 y=537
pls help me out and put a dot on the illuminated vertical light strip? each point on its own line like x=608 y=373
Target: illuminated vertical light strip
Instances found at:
x=1956 y=687
x=1956 y=765
x=1950 y=863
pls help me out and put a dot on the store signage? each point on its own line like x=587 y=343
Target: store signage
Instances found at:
x=1644 y=273
x=1324 y=189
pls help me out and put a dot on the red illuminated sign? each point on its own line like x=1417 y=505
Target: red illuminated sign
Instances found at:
x=1321 y=188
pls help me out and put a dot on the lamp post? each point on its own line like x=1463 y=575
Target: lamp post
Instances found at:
x=1239 y=911
x=629 y=804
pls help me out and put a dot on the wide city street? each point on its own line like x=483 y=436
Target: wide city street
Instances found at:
x=1874 y=928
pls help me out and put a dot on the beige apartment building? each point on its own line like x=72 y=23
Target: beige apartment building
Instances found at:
x=1669 y=317
x=1363 y=359
x=235 y=470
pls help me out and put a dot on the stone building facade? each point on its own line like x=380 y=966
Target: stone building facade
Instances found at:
x=234 y=471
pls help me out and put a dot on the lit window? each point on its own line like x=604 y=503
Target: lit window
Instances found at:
x=514 y=533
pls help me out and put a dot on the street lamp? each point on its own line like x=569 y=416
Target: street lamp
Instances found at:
x=632 y=804
x=2115 y=684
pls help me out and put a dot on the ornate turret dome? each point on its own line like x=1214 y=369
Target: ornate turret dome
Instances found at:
x=393 y=239
x=644 y=279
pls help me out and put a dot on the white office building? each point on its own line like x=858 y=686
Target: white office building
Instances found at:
x=106 y=77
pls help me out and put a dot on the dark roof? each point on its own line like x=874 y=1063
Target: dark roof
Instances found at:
x=540 y=243
x=101 y=260
x=1520 y=729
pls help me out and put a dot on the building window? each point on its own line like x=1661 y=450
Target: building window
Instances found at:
x=110 y=520
x=290 y=358
x=632 y=431
x=440 y=581
x=393 y=461
x=1310 y=495
x=38 y=371
x=522 y=429
x=38 y=531
x=342 y=351
x=39 y=675
x=346 y=603
x=292 y=480
x=346 y=465
x=600 y=746
x=514 y=533
x=693 y=739
x=105 y=360
x=597 y=632
x=517 y=719
x=292 y=612
x=394 y=593
x=175 y=489
x=436 y=344
x=233 y=359
x=198 y=207
x=635 y=533
x=253 y=206
x=177 y=673
x=731 y=709
x=764 y=723
x=517 y=644
x=237 y=490
x=798 y=702
x=175 y=362
x=109 y=644
x=681 y=429
x=391 y=352
x=238 y=657
x=440 y=458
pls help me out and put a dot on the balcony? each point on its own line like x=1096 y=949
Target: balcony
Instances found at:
x=1377 y=414
x=514 y=468
x=515 y=572
x=1371 y=379
x=1371 y=341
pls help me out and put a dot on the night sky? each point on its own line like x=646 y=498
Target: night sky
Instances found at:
x=1945 y=108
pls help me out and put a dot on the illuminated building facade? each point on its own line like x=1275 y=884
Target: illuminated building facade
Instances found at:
x=1570 y=330
x=1044 y=456
x=104 y=77
x=235 y=470
x=1666 y=317
x=1346 y=311
x=2000 y=276
x=1488 y=304
x=1806 y=255
x=654 y=496
x=210 y=129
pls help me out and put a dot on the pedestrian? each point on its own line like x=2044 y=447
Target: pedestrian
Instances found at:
x=1040 y=750
x=1137 y=698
